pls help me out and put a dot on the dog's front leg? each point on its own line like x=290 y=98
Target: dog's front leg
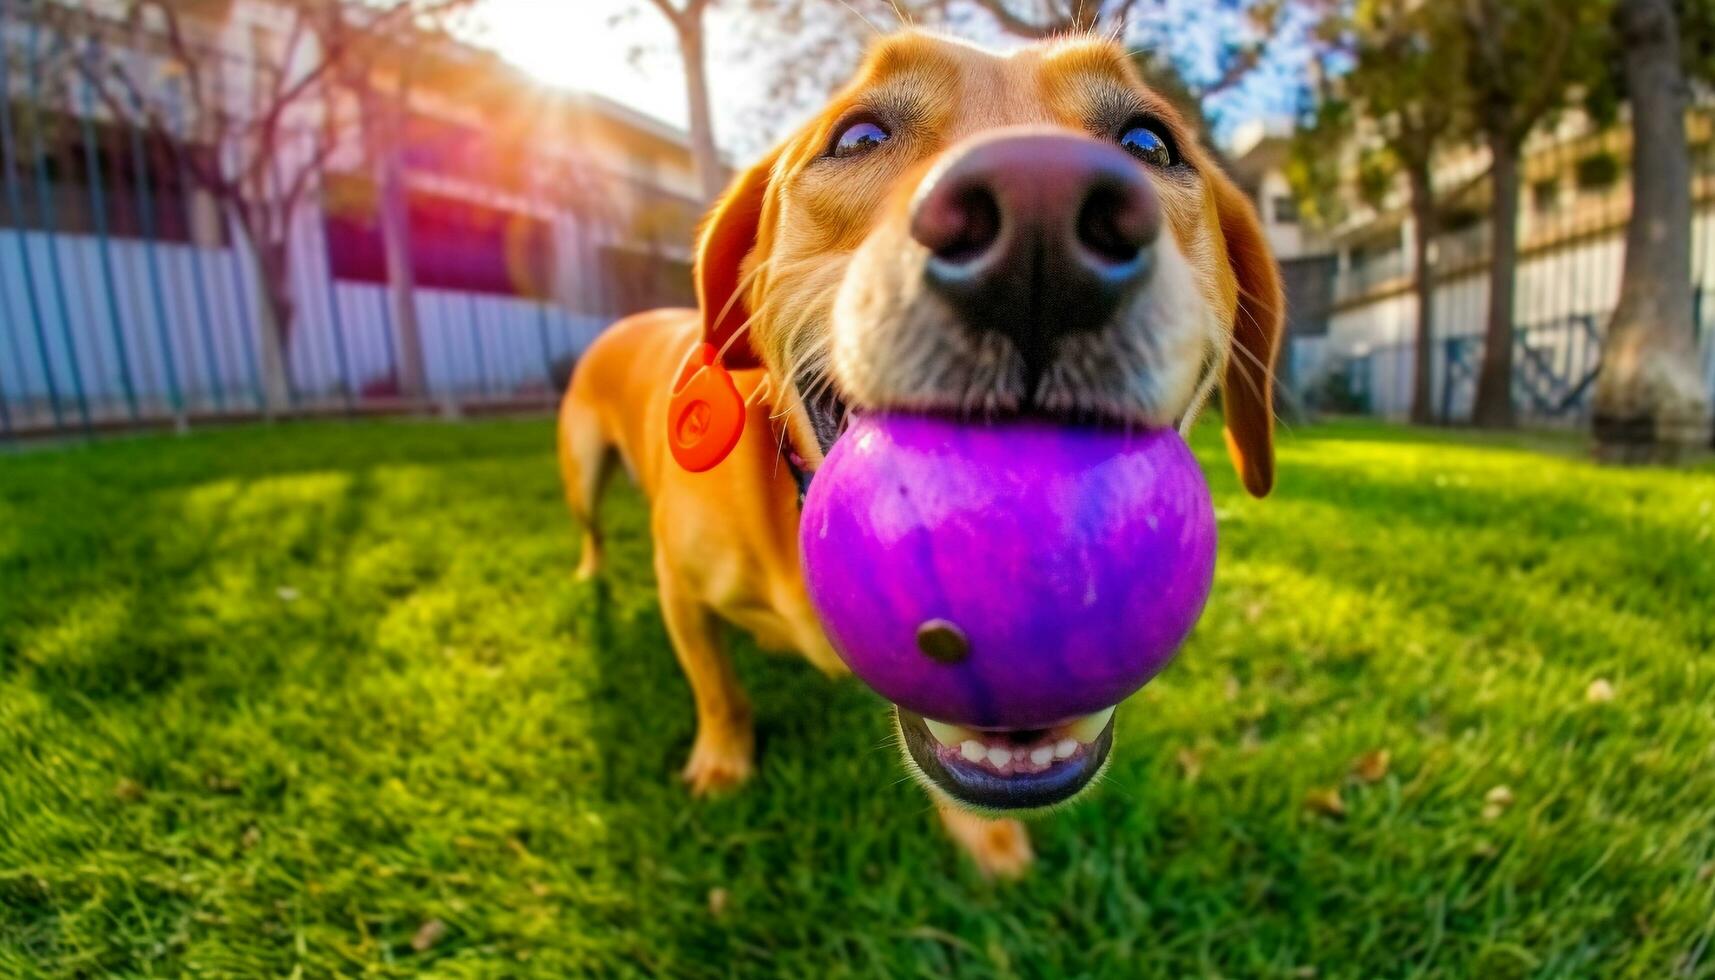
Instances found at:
x=722 y=754
x=1000 y=848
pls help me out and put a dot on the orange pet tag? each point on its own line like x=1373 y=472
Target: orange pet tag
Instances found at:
x=705 y=416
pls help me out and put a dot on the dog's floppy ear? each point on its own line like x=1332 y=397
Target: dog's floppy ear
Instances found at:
x=729 y=233
x=1247 y=388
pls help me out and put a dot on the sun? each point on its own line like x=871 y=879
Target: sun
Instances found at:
x=583 y=46
x=565 y=44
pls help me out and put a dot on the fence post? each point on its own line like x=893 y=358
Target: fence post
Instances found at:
x=98 y=206
x=1447 y=346
x=542 y=334
x=476 y=343
x=146 y=213
x=247 y=324
x=336 y=321
x=387 y=340
x=50 y=221
x=14 y=204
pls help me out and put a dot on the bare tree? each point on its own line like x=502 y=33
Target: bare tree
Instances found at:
x=383 y=111
x=686 y=19
x=1651 y=397
x=256 y=144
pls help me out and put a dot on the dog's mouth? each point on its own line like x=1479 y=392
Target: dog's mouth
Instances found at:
x=1011 y=769
x=982 y=769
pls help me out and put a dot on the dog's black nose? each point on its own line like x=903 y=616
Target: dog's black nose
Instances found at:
x=1036 y=234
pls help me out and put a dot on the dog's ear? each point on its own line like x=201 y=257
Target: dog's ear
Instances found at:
x=729 y=233
x=1247 y=387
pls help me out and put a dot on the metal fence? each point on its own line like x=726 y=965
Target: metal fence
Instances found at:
x=1576 y=200
x=129 y=298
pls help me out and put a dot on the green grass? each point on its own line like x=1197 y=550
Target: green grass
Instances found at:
x=279 y=700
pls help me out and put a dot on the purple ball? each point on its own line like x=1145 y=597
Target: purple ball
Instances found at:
x=1010 y=575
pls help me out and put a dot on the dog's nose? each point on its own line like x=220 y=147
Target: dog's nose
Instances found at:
x=1036 y=235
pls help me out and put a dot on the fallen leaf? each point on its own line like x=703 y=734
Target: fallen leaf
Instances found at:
x=1372 y=766
x=287 y=593
x=128 y=791
x=1599 y=691
x=1190 y=764
x=1496 y=801
x=718 y=901
x=1326 y=801
x=428 y=934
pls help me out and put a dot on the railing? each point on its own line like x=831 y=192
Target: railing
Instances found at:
x=1555 y=363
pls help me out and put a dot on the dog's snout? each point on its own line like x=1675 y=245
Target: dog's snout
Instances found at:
x=1036 y=235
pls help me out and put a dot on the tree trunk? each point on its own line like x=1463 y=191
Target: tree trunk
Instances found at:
x=1652 y=401
x=1494 y=408
x=1427 y=226
x=395 y=221
x=274 y=323
x=703 y=153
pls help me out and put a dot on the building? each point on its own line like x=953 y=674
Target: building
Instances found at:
x=128 y=293
x=1354 y=313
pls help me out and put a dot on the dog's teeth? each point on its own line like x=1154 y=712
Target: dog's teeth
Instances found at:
x=949 y=735
x=999 y=757
x=972 y=750
x=1064 y=748
x=1042 y=756
x=1089 y=727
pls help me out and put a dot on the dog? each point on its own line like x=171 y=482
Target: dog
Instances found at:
x=958 y=231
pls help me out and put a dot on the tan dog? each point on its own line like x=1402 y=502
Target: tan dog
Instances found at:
x=958 y=231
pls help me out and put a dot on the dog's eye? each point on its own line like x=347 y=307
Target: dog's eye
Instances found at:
x=1147 y=145
x=860 y=137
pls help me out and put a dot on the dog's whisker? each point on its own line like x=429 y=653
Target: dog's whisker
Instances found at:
x=1256 y=388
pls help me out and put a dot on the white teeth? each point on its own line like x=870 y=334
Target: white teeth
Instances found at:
x=1088 y=728
x=978 y=747
x=948 y=735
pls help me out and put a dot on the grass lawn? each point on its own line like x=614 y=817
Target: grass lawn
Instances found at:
x=325 y=699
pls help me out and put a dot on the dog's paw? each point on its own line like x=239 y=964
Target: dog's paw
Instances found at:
x=718 y=765
x=1000 y=848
